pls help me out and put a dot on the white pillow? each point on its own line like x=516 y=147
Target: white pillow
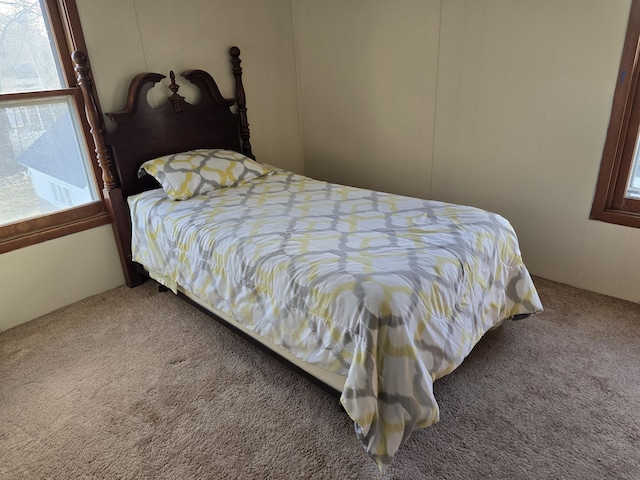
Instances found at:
x=187 y=174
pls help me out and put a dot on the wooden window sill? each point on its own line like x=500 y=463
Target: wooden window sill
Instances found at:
x=53 y=231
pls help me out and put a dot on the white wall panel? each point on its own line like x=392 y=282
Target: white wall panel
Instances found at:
x=44 y=277
x=524 y=95
x=516 y=119
x=367 y=76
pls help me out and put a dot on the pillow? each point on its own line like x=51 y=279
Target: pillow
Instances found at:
x=187 y=174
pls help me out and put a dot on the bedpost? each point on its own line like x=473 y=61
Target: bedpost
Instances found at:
x=242 y=102
x=113 y=198
x=94 y=118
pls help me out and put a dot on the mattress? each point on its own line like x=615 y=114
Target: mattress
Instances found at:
x=391 y=292
x=333 y=380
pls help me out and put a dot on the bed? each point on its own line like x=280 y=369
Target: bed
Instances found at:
x=372 y=295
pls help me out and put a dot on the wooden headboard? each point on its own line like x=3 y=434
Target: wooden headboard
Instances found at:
x=143 y=132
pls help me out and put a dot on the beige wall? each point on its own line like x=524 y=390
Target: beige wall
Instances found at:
x=524 y=97
x=367 y=74
x=501 y=104
x=47 y=276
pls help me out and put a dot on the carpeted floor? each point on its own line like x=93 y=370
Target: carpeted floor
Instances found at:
x=136 y=384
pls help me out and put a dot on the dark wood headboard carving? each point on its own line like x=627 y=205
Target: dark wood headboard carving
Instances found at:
x=144 y=132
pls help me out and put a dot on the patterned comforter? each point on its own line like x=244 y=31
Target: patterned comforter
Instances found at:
x=391 y=291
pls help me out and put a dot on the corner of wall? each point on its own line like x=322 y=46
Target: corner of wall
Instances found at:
x=295 y=58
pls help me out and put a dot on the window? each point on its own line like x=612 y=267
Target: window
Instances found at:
x=617 y=198
x=47 y=170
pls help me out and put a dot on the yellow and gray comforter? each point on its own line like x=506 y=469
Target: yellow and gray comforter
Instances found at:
x=391 y=291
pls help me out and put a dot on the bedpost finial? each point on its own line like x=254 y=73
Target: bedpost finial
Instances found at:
x=174 y=87
x=242 y=102
x=78 y=57
x=80 y=67
x=176 y=99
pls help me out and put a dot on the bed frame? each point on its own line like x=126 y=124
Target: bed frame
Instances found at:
x=176 y=126
x=143 y=132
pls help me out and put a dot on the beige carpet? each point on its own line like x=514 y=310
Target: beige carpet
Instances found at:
x=136 y=384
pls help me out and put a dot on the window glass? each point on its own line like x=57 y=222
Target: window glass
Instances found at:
x=43 y=163
x=28 y=60
x=633 y=187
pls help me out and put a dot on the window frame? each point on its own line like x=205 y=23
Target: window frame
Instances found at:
x=67 y=35
x=610 y=204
